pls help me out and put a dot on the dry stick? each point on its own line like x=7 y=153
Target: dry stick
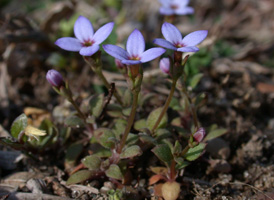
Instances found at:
x=106 y=83
x=103 y=78
x=173 y=86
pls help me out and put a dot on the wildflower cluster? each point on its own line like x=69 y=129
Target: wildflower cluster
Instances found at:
x=117 y=141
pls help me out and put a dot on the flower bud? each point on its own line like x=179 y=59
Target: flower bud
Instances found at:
x=55 y=78
x=119 y=64
x=199 y=135
x=165 y=65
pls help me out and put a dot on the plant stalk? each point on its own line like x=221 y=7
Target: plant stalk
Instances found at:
x=173 y=86
x=130 y=120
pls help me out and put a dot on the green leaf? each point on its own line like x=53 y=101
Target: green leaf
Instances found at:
x=215 y=133
x=114 y=171
x=18 y=125
x=72 y=153
x=131 y=152
x=74 y=121
x=153 y=117
x=163 y=152
x=181 y=163
x=80 y=176
x=114 y=110
x=140 y=124
x=132 y=139
x=96 y=104
x=200 y=99
x=147 y=139
x=92 y=162
x=119 y=127
x=195 y=80
x=12 y=144
x=177 y=148
x=105 y=137
x=195 y=152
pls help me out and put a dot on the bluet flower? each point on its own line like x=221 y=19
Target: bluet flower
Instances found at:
x=174 y=40
x=135 y=53
x=178 y=7
x=86 y=42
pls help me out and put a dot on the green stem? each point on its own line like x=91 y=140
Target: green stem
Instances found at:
x=193 y=110
x=81 y=114
x=106 y=83
x=130 y=120
x=173 y=86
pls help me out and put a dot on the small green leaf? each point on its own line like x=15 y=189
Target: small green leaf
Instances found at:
x=215 y=133
x=177 y=148
x=132 y=139
x=153 y=117
x=12 y=144
x=105 y=137
x=163 y=152
x=131 y=152
x=195 y=80
x=195 y=152
x=126 y=111
x=72 y=154
x=114 y=110
x=148 y=139
x=119 y=127
x=18 y=125
x=74 y=121
x=92 y=162
x=140 y=124
x=200 y=99
x=96 y=104
x=181 y=163
x=114 y=171
x=80 y=176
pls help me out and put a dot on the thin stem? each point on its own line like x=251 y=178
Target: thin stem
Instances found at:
x=193 y=110
x=97 y=68
x=173 y=86
x=81 y=114
x=106 y=83
x=130 y=120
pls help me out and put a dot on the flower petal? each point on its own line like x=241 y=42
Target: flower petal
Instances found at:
x=164 y=65
x=164 y=43
x=88 y=51
x=165 y=3
x=135 y=44
x=116 y=52
x=102 y=33
x=181 y=3
x=194 y=38
x=69 y=44
x=83 y=29
x=188 y=49
x=184 y=11
x=166 y=11
x=151 y=54
x=131 y=62
x=171 y=33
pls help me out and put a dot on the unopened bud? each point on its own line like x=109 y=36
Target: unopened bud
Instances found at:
x=119 y=64
x=165 y=65
x=199 y=135
x=55 y=78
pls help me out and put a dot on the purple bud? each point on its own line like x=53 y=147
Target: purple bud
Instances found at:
x=165 y=65
x=119 y=64
x=55 y=78
x=199 y=135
